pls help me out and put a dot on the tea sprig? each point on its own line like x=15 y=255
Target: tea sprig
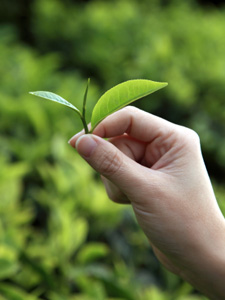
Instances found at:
x=111 y=101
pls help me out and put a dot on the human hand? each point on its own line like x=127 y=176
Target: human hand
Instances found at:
x=157 y=167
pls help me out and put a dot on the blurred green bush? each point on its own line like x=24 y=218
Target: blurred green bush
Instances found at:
x=60 y=236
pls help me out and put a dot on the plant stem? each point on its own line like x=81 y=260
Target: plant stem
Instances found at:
x=84 y=124
x=84 y=108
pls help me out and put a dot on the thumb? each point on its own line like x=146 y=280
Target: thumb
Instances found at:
x=110 y=162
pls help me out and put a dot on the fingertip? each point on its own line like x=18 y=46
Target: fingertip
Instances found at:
x=72 y=141
x=85 y=145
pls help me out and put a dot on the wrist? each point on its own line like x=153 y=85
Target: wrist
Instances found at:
x=206 y=271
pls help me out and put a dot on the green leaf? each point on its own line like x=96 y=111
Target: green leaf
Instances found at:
x=55 y=98
x=12 y=292
x=91 y=252
x=7 y=268
x=122 y=95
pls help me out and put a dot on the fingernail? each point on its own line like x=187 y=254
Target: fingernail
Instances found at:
x=85 y=145
x=73 y=138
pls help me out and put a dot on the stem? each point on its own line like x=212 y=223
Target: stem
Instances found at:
x=84 y=108
x=84 y=124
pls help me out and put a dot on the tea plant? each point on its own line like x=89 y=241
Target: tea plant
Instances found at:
x=111 y=101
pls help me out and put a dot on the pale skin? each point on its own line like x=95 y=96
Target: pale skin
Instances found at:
x=157 y=167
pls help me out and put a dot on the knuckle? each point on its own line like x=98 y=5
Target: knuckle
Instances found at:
x=110 y=164
x=130 y=109
x=190 y=137
x=195 y=135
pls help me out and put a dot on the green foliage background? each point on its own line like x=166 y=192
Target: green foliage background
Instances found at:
x=60 y=237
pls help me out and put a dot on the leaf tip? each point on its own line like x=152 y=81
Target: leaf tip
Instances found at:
x=163 y=85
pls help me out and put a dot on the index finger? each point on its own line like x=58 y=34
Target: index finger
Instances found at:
x=135 y=122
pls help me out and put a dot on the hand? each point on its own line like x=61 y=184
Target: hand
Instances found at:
x=158 y=168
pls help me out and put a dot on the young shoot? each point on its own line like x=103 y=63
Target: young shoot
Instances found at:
x=111 y=101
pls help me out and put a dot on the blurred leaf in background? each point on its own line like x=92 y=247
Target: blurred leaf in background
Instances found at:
x=61 y=238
